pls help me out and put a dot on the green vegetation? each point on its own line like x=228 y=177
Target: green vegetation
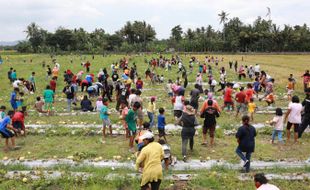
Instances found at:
x=61 y=142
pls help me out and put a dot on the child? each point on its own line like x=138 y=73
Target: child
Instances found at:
x=161 y=122
x=53 y=84
x=290 y=88
x=256 y=86
x=39 y=105
x=7 y=131
x=124 y=113
x=131 y=122
x=277 y=121
x=104 y=115
x=251 y=108
x=2 y=112
x=99 y=104
x=139 y=84
x=48 y=96
x=151 y=111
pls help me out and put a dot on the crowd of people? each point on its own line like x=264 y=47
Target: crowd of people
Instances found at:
x=122 y=84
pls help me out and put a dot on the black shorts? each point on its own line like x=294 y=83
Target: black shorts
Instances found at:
x=161 y=132
x=7 y=134
x=210 y=128
x=289 y=125
x=18 y=125
x=177 y=113
x=132 y=133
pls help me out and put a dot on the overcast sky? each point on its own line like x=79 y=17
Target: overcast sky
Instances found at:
x=111 y=15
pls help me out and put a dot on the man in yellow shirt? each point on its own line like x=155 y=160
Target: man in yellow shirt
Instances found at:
x=150 y=160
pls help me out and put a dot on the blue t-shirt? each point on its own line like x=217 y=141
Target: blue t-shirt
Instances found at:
x=4 y=123
x=13 y=96
x=88 y=78
x=161 y=121
x=104 y=112
x=256 y=85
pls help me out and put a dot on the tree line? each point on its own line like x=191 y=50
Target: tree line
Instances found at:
x=138 y=36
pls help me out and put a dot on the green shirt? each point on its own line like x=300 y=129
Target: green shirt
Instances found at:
x=48 y=96
x=131 y=120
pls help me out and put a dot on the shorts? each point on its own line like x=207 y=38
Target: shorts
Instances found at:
x=132 y=133
x=241 y=107
x=106 y=122
x=14 y=105
x=290 y=92
x=226 y=104
x=177 y=113
x=18 y=125
x=48 y=106
x=161 y=132
x=7 y=134
x=211 y=130
x=289 y=125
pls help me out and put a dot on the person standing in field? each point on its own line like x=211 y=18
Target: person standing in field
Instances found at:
x=149 y=160
x=251 y=108
x=14 y=99
x=209 y=115
x=151 y=111
x=131 y=118
x=277 y=121
x=104 y=116
x=241 y=102
x=246 y=142
x=293 y=118
x=188 y=122
x=48 y=96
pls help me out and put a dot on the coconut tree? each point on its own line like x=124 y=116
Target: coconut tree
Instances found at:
x=223 y=18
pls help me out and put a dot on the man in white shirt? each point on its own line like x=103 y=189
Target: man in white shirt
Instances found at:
x=261 y=183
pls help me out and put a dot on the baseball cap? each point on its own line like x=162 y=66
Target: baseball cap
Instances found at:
x=147 y=135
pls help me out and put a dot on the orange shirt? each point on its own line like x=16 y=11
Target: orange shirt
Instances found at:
x=205 y=106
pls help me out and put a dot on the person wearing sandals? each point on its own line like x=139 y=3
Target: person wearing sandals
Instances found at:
x=188 y=122
x=209 y=124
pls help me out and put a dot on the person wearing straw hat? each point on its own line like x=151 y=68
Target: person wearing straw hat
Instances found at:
x=150 y=161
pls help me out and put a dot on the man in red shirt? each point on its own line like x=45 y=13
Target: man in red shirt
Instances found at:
x=228 y=101
x=241 y=101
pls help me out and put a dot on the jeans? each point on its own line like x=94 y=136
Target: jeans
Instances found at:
x=275 y=132
x=245 y=157
x=185 y=142
x=151 y=117
x=69 y=101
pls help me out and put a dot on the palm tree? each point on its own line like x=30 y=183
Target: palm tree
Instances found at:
x=223 y=18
